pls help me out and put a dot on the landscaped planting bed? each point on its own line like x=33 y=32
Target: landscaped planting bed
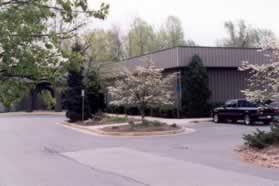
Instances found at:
x=147 y=126
x=267 y=157
x=105 y=120
x=261 y=148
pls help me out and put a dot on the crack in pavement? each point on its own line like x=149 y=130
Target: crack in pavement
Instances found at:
x=129 y=179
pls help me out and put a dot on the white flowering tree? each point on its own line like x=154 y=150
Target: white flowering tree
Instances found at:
x=143 y=87
x=263 y=83
x=29 y=46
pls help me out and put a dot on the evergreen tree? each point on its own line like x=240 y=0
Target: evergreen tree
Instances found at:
x=73 y=98
x=94 y=94
x=76 y=82
x=195 y=91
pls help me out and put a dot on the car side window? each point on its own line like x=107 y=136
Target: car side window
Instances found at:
x=231 y=104
x=244 y=103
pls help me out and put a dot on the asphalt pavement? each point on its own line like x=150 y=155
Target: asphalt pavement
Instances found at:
x=39 y=151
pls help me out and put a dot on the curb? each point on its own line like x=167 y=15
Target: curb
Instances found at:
x=33 y=114
x=97 y=131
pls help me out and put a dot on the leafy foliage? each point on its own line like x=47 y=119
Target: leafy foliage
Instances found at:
x=104 y=45
x=140 y=39
x=76 y=82
x=262 y=139
x=263 y=82
x=10 y=92
x=143 y=87
x=242 y=35
x=94 y=93
x=195 y=90
x=28 y=48
x=47 y=99
x=171 y=34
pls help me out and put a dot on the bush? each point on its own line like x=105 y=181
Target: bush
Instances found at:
x=147 y=123
x=261 y=139
x=164 y=112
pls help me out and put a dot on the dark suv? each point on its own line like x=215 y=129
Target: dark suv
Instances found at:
x=241 y=109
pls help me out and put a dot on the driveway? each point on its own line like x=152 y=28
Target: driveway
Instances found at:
x=38 y=151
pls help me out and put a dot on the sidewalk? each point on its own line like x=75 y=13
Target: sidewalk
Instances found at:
x=35 y=113
x=169 y=120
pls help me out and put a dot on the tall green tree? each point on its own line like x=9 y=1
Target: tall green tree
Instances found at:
x=104 y=45
x=195 y=90
x=79 y=78
x=242 y=35
x=28 y=51
x=73 y=98
x=171 y=33
x=140 y=39
x=94 y=92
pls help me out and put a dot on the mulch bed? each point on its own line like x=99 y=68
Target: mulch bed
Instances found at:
x=141 y=128
x=268 y=157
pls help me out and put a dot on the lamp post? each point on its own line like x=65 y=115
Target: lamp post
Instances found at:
x=82 y=95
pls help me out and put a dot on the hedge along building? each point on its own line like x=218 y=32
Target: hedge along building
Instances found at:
x=222 y=63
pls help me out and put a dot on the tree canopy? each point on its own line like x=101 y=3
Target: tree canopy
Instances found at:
x=143 y=87
x=141 y=38
x=28 y=45
x=263 y=82
x=242 y=35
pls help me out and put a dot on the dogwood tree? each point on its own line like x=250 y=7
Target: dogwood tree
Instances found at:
x=28 y=44
x=263 y=83
x=144 y=87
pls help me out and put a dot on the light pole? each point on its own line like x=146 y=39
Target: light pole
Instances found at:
x=82 y=95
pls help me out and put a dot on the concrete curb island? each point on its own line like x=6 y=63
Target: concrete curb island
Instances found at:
x=97 y=130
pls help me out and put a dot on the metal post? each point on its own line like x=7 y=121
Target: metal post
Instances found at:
x=82 y=95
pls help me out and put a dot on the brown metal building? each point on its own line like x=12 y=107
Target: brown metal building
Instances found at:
x=222 y=63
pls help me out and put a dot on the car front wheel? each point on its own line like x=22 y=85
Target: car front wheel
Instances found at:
x=247 y=120
x=216 y=118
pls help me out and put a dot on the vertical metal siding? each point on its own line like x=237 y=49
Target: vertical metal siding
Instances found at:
x=226 y=83
x=223 y=57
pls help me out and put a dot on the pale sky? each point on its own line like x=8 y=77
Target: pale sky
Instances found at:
x=202 y=20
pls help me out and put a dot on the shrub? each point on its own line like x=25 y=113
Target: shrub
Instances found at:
x=147 y=123
x=261 y=139
x=164 y=112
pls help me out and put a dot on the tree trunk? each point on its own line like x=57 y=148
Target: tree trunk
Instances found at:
x=142 y=114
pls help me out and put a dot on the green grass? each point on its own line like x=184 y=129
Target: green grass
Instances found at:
x=116 y=119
